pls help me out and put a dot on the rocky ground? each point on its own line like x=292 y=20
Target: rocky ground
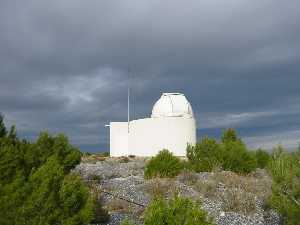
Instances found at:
x=228 y=198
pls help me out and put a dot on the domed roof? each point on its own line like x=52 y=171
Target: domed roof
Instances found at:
x=172 y=105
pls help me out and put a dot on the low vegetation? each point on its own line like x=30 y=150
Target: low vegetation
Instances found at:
x=241 y=186
x=124 y=159
x=230 y=154
x=37 y=185
x=285 y=170
x=262 y=158
x=164 y=164
x=237 y=193
x=118 y=205
x=127 y=222
x=175 y=211
x=160 y=188
x=205 y=155
x=95 y=157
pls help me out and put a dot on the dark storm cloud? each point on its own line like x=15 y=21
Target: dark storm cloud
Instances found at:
x=64 y=65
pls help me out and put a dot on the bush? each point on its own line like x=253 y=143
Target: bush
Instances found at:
x=285 y=170
x=176 y=211
x=100 y=214
x=53 y=197
x=205 y=155
x=262 y=158
x=230 y=135
x=236 y=157
x=231 y=154
x=36 y=183
x=75 y=201
x=164 y=164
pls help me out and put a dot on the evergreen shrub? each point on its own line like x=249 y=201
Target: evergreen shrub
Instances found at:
x=37 y=185
x=164 y=164
x=284 y=168
x=176 y=211
x=262 y=158
x=229 y=154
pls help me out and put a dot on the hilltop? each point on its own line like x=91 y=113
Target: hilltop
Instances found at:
x=228 y=197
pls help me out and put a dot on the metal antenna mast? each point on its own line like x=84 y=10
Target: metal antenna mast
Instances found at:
x=128 y=101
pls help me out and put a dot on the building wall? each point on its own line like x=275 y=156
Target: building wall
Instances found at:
x=148 y=136
x=118 y=139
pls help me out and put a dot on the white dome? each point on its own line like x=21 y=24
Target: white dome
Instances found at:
x=172 y=105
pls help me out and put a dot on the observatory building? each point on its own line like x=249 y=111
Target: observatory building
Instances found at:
x=171 y=126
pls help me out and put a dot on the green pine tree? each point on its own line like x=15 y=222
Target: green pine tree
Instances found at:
x=3 y=131
x=12 y=133
x=229 y=135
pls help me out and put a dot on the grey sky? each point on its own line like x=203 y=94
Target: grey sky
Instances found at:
x=64 y=65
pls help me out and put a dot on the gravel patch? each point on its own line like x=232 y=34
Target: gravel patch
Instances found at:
x=126 y=180
x=117 y=218
x=130 y=188
x=111 y=169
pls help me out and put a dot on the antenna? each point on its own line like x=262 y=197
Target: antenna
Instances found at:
x=128 y=101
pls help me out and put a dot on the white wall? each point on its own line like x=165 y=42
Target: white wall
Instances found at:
x=118 y=139
x=148 y=136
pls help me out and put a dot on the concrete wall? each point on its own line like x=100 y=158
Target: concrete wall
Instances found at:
x=118 y=139
x=148 y=136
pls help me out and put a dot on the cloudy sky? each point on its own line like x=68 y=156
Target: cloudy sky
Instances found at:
x=64 y=65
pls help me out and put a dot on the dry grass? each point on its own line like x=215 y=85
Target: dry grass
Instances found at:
x=237 y=200
x=207 y=188
x=94 y=178
x=160 y=187
x=93 y=158
x=237 y=193
x=118 y=205
x=123 y=159
x=187 y=177
x=260 y=187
